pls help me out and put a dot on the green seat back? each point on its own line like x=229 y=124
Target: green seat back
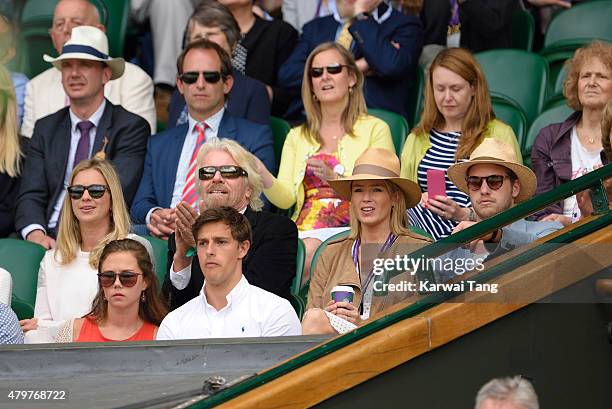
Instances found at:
x=511 y=113
x=37 y=11
x=416 y=99
x=518 y=74
x=280 y=129
x=551 y=116
x=32 y=43
x=160 y=250
x=299 y=268
x=22 y=259
x=116 y=22
x=397 y=124
x=585 y=20
x=523 y=30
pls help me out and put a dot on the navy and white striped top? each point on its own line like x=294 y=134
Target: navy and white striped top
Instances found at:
x=441 y=155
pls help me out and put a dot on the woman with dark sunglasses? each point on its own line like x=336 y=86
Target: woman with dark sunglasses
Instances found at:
x=93 y=213
x=127 y=306
x=336 y=132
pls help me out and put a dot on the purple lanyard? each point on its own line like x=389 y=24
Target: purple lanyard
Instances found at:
x=355 y=251
x=318 y=9
x=454 y=20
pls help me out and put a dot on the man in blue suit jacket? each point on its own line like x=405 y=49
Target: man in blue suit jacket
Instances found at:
x=205 y=80
x=248 y=98
x=386 y=45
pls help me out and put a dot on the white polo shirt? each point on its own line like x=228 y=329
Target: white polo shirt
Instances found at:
x=250 y=312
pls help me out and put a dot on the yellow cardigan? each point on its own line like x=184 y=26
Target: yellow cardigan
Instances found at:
x=288 y=187
x=416 y=146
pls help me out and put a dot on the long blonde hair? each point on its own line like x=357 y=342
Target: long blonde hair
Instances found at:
x=355 y=107
x=480 y=112
x=69 y=235
x=397 y=220
x=10 y=151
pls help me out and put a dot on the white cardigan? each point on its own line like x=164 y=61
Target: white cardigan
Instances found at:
x=64 y=292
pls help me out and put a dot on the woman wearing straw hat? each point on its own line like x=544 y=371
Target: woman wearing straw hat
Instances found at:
x=378 y=201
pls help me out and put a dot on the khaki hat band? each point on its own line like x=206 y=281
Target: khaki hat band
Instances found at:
x=373 y=170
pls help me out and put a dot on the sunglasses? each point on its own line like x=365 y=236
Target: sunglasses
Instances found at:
x=494 y=182
x=126 y=278
x=333 y=69
x=95 y=191
x=190 y=77
x=227 y=171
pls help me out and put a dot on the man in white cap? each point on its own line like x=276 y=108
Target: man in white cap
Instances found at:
x=496 y=181
x=44 y=93
x=90 y=126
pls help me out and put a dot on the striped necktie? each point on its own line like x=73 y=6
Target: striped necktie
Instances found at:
x=189 y=191
x=345 y=38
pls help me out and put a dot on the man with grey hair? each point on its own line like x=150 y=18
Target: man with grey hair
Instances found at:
x=507 y=393
x=228 y=177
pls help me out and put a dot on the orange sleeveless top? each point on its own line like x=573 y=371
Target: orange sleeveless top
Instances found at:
x=91 y=333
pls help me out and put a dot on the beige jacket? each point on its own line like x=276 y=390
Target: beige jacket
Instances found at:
x=335 y=267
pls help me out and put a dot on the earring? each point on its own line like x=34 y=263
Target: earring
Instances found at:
x=143 y=298
x=351 y=90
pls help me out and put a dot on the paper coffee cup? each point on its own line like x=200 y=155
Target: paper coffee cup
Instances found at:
x=342 y=293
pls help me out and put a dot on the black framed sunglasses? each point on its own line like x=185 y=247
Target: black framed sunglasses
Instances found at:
x=227 y=171
x=126 y=278
x=95 y=191
x=333 y=69
x=494 y=182
x=190 y=77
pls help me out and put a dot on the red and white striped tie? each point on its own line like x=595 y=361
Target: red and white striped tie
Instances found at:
x=189 y=191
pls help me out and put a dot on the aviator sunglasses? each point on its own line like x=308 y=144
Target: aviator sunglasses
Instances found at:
x=227 y=171
x=95 y=191
x=333 y=69
x=126 y=278
x=494 y=182
x=190 y=77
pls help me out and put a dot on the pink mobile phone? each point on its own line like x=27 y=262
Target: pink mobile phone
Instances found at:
x=436 y=185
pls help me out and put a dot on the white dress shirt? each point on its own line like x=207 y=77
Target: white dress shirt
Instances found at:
x=212 y=129
x=249 y=312
x=75 y=136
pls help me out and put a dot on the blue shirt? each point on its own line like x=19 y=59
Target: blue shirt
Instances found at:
x=19 y=83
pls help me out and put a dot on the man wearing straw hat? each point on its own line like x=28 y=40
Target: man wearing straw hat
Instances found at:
x=44 y=93
x=90 y=126
x=495 y=181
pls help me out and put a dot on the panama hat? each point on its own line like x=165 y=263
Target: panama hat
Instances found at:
x=378 y=164
x=88 y=43
x=495 y=152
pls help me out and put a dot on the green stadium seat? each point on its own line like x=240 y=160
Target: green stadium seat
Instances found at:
x=523 y=30
x=416 y=99
x=397 y=124
x=299 y=268
x=573 y=28
x=585 y=21
x=280 y=129
x=32 y=43
x=116 y=23
x=517 y=74
x=22 y=259
x=160 y=250
x=551 y=116
x=511 y=113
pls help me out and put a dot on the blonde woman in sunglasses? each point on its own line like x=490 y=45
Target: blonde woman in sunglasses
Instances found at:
x=336 y=132
x=93 y=213
x=127 y=306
